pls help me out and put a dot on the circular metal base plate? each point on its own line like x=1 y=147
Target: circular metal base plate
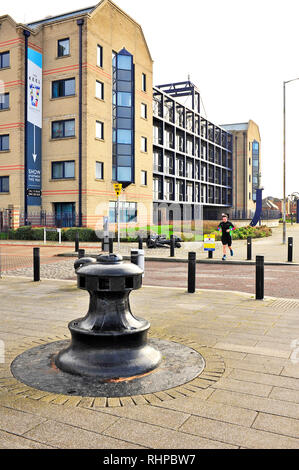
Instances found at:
x=36 y=368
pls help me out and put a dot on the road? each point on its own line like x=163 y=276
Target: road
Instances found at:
x=280 y=281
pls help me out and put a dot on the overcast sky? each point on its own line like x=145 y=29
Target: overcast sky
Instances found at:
x=238 y=53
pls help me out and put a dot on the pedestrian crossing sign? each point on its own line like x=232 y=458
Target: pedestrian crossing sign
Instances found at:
x=209 y=242
x=118 y=188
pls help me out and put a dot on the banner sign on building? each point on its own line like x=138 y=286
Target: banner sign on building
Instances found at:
x=34 y=128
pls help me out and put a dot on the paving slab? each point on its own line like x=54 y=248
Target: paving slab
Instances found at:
x=231 y=404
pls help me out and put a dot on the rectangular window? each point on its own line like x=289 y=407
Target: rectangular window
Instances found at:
x=143 y=111
x=143 y=82
x=4 y=142
x=99 y=56
x=63 y=170
x=4 y=184
x=99 y=90
x=63 y=129
x=4 y=60
x=4 y=101
x=144 y=178
x=99 y=170
x=144 y=144
x=124 y=99
x=63 y=47
x=99 y=130
x=63 y=88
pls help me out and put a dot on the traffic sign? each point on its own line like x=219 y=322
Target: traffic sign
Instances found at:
x=118 y=188
x=209 y=242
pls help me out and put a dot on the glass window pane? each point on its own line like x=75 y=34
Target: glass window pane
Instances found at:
x=124 y=112
x=69 y=87
x=124 y=99
x=4 y=101
x=99 y=170
x=69 y=130
x=143 y=82
x=57 y=129
x=124 y=123
x=69 y=169
x=5 y=184
x=99 y=130
x=4 y=142
x=124 y=160
x=100 y=56
x=124 y=86
x=124 y=62
x=55 y=89
x=124 y=173
x=57 y=170
x=123 y=149
x=99 y=90
x=124 y=137
x=143 y=110
x=124 y=75
x=4 y=60
x=63 y=47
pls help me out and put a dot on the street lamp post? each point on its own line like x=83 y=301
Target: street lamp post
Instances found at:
x=284 y=159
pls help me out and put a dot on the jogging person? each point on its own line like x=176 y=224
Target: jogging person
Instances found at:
x=226 y=238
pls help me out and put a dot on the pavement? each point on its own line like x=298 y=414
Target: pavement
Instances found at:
x=247 y=397
x=272 y=248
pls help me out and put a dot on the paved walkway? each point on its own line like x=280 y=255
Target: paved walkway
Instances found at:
x=251 y=401
x=271 y=248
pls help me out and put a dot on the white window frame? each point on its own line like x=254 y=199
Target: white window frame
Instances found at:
x=101 y=165
x=144 y=144
x=101 y=89
x=100 y=126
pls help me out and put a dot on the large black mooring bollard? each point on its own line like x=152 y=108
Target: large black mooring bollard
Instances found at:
x=36 y=264
x=81 y=253
x=109 y=343
x=259 y=278
x=191 y=272
x=290 y=249
x=249 y=248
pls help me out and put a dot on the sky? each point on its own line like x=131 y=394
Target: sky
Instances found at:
x=238 y=54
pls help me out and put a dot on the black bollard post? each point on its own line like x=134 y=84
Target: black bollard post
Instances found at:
x=81 y=254
x=171 y=246
x=249 y=248
x=191 y=272
x=290 y=249
x=110 y=246
x=210 y=254
x=36 y=265
x=259 y=278
x=77 y=242
x=140 y=247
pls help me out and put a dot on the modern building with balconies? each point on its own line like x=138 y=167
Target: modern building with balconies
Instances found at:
x=192 y=157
